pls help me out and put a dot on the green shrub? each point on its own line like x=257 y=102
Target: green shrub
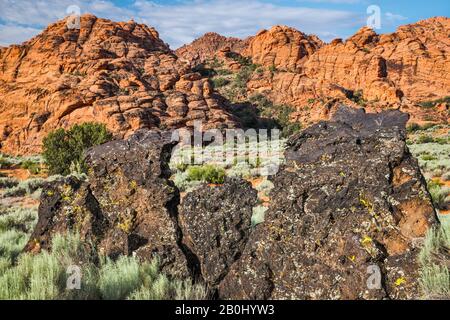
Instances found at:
x=6 y=182
x=5 y=162
x=31 y=166
x=207 y=173
x=439 y=195
x=428 y=157
x=17 y=191
x=220 y=82
x=425 y=139
x=224 y=72
x=43 y=276
x=61 y=148
x=19 y=218
x=433 y=103
x=119 y=278
x=433 y=257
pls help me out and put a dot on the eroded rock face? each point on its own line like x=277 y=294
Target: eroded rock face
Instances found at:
x=118 y=73
x=207 y=46
x=350 y=197
x=388 y=71
x=413 y=62
x=127 y=206
x=282 y=47
x=216 y=224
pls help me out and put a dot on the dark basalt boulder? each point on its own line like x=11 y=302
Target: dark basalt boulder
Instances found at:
x=346 y=219
x=216 y=224
x=349 y=202
x=127 y=206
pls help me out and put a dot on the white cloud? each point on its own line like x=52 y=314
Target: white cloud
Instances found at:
x=394 y=17
x=181 y=22
x=16 y=34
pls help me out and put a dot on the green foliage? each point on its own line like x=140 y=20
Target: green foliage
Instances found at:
x=44 y=275
x=220 y=82
x=5 y=162
x=434 y=103
x=428 y=157
x=425 y=139
x=6 y=182
x=61 y=148
x=279 y=113
x=119 y=278
x=207 y=173
x=243 y=61
x=31 y=166
x=204 y=71
x=414 y=127
x=358 y=97
x=223 y=72
x=439 y=194
x=434 y=271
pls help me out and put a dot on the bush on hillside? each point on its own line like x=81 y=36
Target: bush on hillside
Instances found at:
x=62 y=148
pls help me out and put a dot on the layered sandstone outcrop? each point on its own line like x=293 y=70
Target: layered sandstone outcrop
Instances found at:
x=120 y=74
x=398 y=70
x=413 y=62
x=206 y=47
x=283 y=48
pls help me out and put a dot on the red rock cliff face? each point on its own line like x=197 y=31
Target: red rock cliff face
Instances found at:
x=207 y=46
x=413 y=62
x=397 y=70
x=283 y=48
x=120 y=74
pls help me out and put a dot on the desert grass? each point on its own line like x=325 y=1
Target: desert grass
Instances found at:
x=434 y=263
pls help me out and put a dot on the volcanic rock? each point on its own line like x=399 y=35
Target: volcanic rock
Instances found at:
x=128 y=205
x=350 y=202
x=216 y=224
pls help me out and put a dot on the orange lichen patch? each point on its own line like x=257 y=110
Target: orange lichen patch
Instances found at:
x=444 y=212
x=395 y=244
x=213 y=185
x=400 y=177
x=415 y=221
x=255 y=182
x=263 y=197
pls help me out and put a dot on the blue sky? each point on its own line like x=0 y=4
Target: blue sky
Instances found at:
x=181 y=21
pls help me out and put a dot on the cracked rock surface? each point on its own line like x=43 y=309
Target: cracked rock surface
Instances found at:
x=350 y=199
x=349 y=207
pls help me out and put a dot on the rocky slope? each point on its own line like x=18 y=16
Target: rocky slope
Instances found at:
x=208 y=45
x=121 y=74
x=350 y=197
x=398 y=70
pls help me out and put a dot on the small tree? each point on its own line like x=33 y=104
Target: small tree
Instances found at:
x=62 y=148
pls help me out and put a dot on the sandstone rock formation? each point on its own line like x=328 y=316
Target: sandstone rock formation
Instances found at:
x=350 y=198
x=207 y=46
x=389 y=71
x=349 y=202
x=413 y=62
x=282 y=47
x=120 y=74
